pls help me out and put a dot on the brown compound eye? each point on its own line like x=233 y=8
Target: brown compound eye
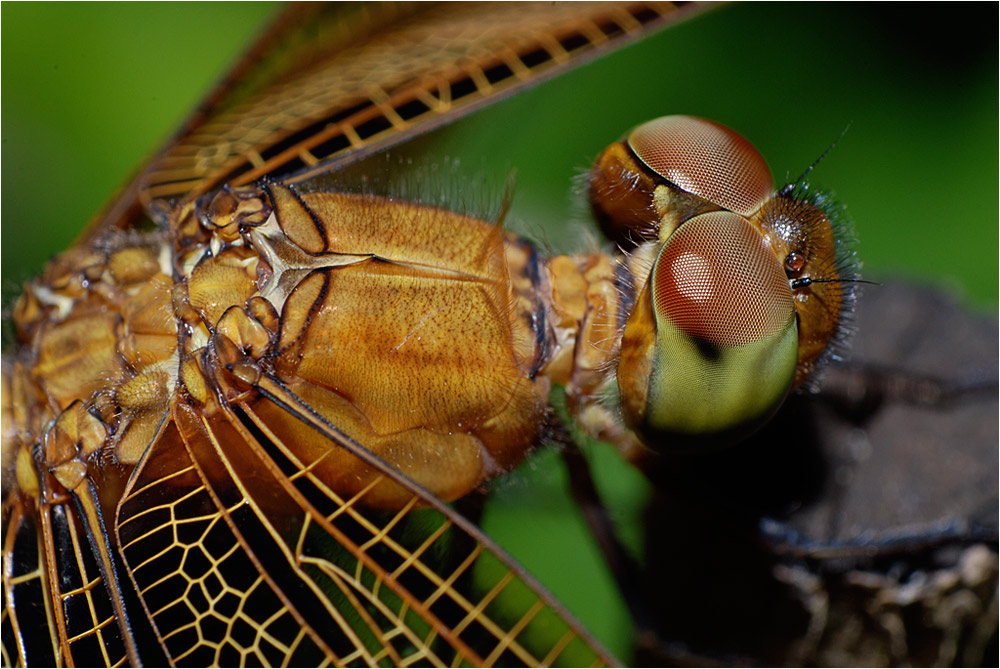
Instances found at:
x=717 y=281
x=671 y=169
x=706 y=159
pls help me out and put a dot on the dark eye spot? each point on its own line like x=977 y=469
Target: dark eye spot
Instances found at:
x=794 y=262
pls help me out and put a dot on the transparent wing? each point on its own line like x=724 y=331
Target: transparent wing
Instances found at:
x=242 y=554
x=59 y=609
x=328 y=82
x=30 y=633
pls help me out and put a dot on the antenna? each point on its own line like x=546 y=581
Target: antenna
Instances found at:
x=788 y=189
x=806 y=281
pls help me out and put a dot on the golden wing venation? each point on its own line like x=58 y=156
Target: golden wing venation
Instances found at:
x=473 y=612
x=131 y=361
x=28 y=617
x=208 y=601
x=222 y=538
x=372 y=88
x=372 y=568
x=196 y=518
x=391 y=74
x=67 y=589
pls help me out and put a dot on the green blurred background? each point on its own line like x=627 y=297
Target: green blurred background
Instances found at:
x=89 y=89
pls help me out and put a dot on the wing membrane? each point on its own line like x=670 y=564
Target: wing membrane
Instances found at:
x=59 y=609
x=328 y=83
x=510 y=616
x=209 y=600
x=228 y=507
x=29 y=623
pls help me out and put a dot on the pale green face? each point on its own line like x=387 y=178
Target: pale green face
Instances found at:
x=726 y=344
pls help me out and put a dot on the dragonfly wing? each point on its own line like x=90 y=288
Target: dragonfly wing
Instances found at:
x=242 y=554
x=60 y=608
x=30 y=632
x=199 y=577
x=327 y=83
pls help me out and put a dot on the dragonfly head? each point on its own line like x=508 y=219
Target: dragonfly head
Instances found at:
x=744 y=295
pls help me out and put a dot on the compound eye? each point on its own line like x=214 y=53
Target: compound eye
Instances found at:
x=717 y=280
x=726 y=336
x=705 y=159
